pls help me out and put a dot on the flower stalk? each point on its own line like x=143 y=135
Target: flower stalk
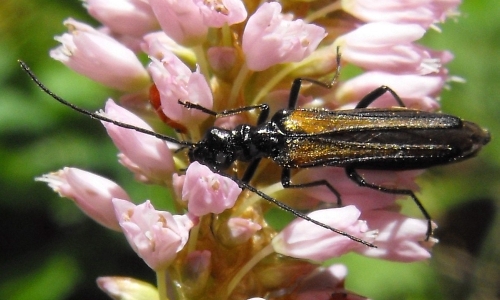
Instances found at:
x=223 y=55
x=161 y=283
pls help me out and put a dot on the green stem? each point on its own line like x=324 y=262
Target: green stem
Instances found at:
x=323 y=12
x=202 y=62
x=238 y=83
x=193 y=237
x=161 y=282
x=226 y=36
x=272 y=83
x=247 y=267
x=287 y=70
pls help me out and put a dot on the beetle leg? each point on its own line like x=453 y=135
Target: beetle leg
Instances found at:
x=286 y=182
x=250 y=171
x=356 y=177
x=377 y=93
x=297 y=83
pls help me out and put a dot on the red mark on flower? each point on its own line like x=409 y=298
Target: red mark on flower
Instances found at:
x=154 y=99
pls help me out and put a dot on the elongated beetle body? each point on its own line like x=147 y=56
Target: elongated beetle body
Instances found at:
x=360 y=138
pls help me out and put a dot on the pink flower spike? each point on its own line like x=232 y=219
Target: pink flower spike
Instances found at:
x=386 y=47
x=207 y=192
x=156 y=236
x=400 y=238
x=297 y=238
x=175 y=82
x=424 y=13
x=271 y=38
x=91 y=193
x=128 y=17
x=181 y=20
x=147 y=156
x=100 y=57
x=417 y=92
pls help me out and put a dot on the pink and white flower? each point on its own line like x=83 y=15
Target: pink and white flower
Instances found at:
x=187 y=22
x=400 y=238
x=175 y=81
x=172 y=16
x=156 y=236
x=272 y=38
x=207 y=192
x=146 y=156
x=127 y=17
x=423 y=13
x=91 y=193
x=297 y=238
x=242 y=229
x=387 y=47
x=417 y=92
x=100 y=57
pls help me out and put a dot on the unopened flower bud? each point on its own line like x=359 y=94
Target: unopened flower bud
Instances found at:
x=126 y=288
x=91 y=193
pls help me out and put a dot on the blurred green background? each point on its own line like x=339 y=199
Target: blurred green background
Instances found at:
x=49 y=250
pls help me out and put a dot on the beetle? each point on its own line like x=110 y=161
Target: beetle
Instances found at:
x=395 y=138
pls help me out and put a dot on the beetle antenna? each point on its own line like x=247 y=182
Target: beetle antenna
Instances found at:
x=287 y=208
x=97 y=116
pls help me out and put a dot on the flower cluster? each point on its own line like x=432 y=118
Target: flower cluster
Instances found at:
x=225 y=54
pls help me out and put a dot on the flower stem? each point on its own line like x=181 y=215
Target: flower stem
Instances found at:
x=202 y=62
x=238 y=83
x=278 y=77
x=247 y=267
x=272 y=83
x=226 y=36
x=193 y=237
x=161 y=282
x=323 y=12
